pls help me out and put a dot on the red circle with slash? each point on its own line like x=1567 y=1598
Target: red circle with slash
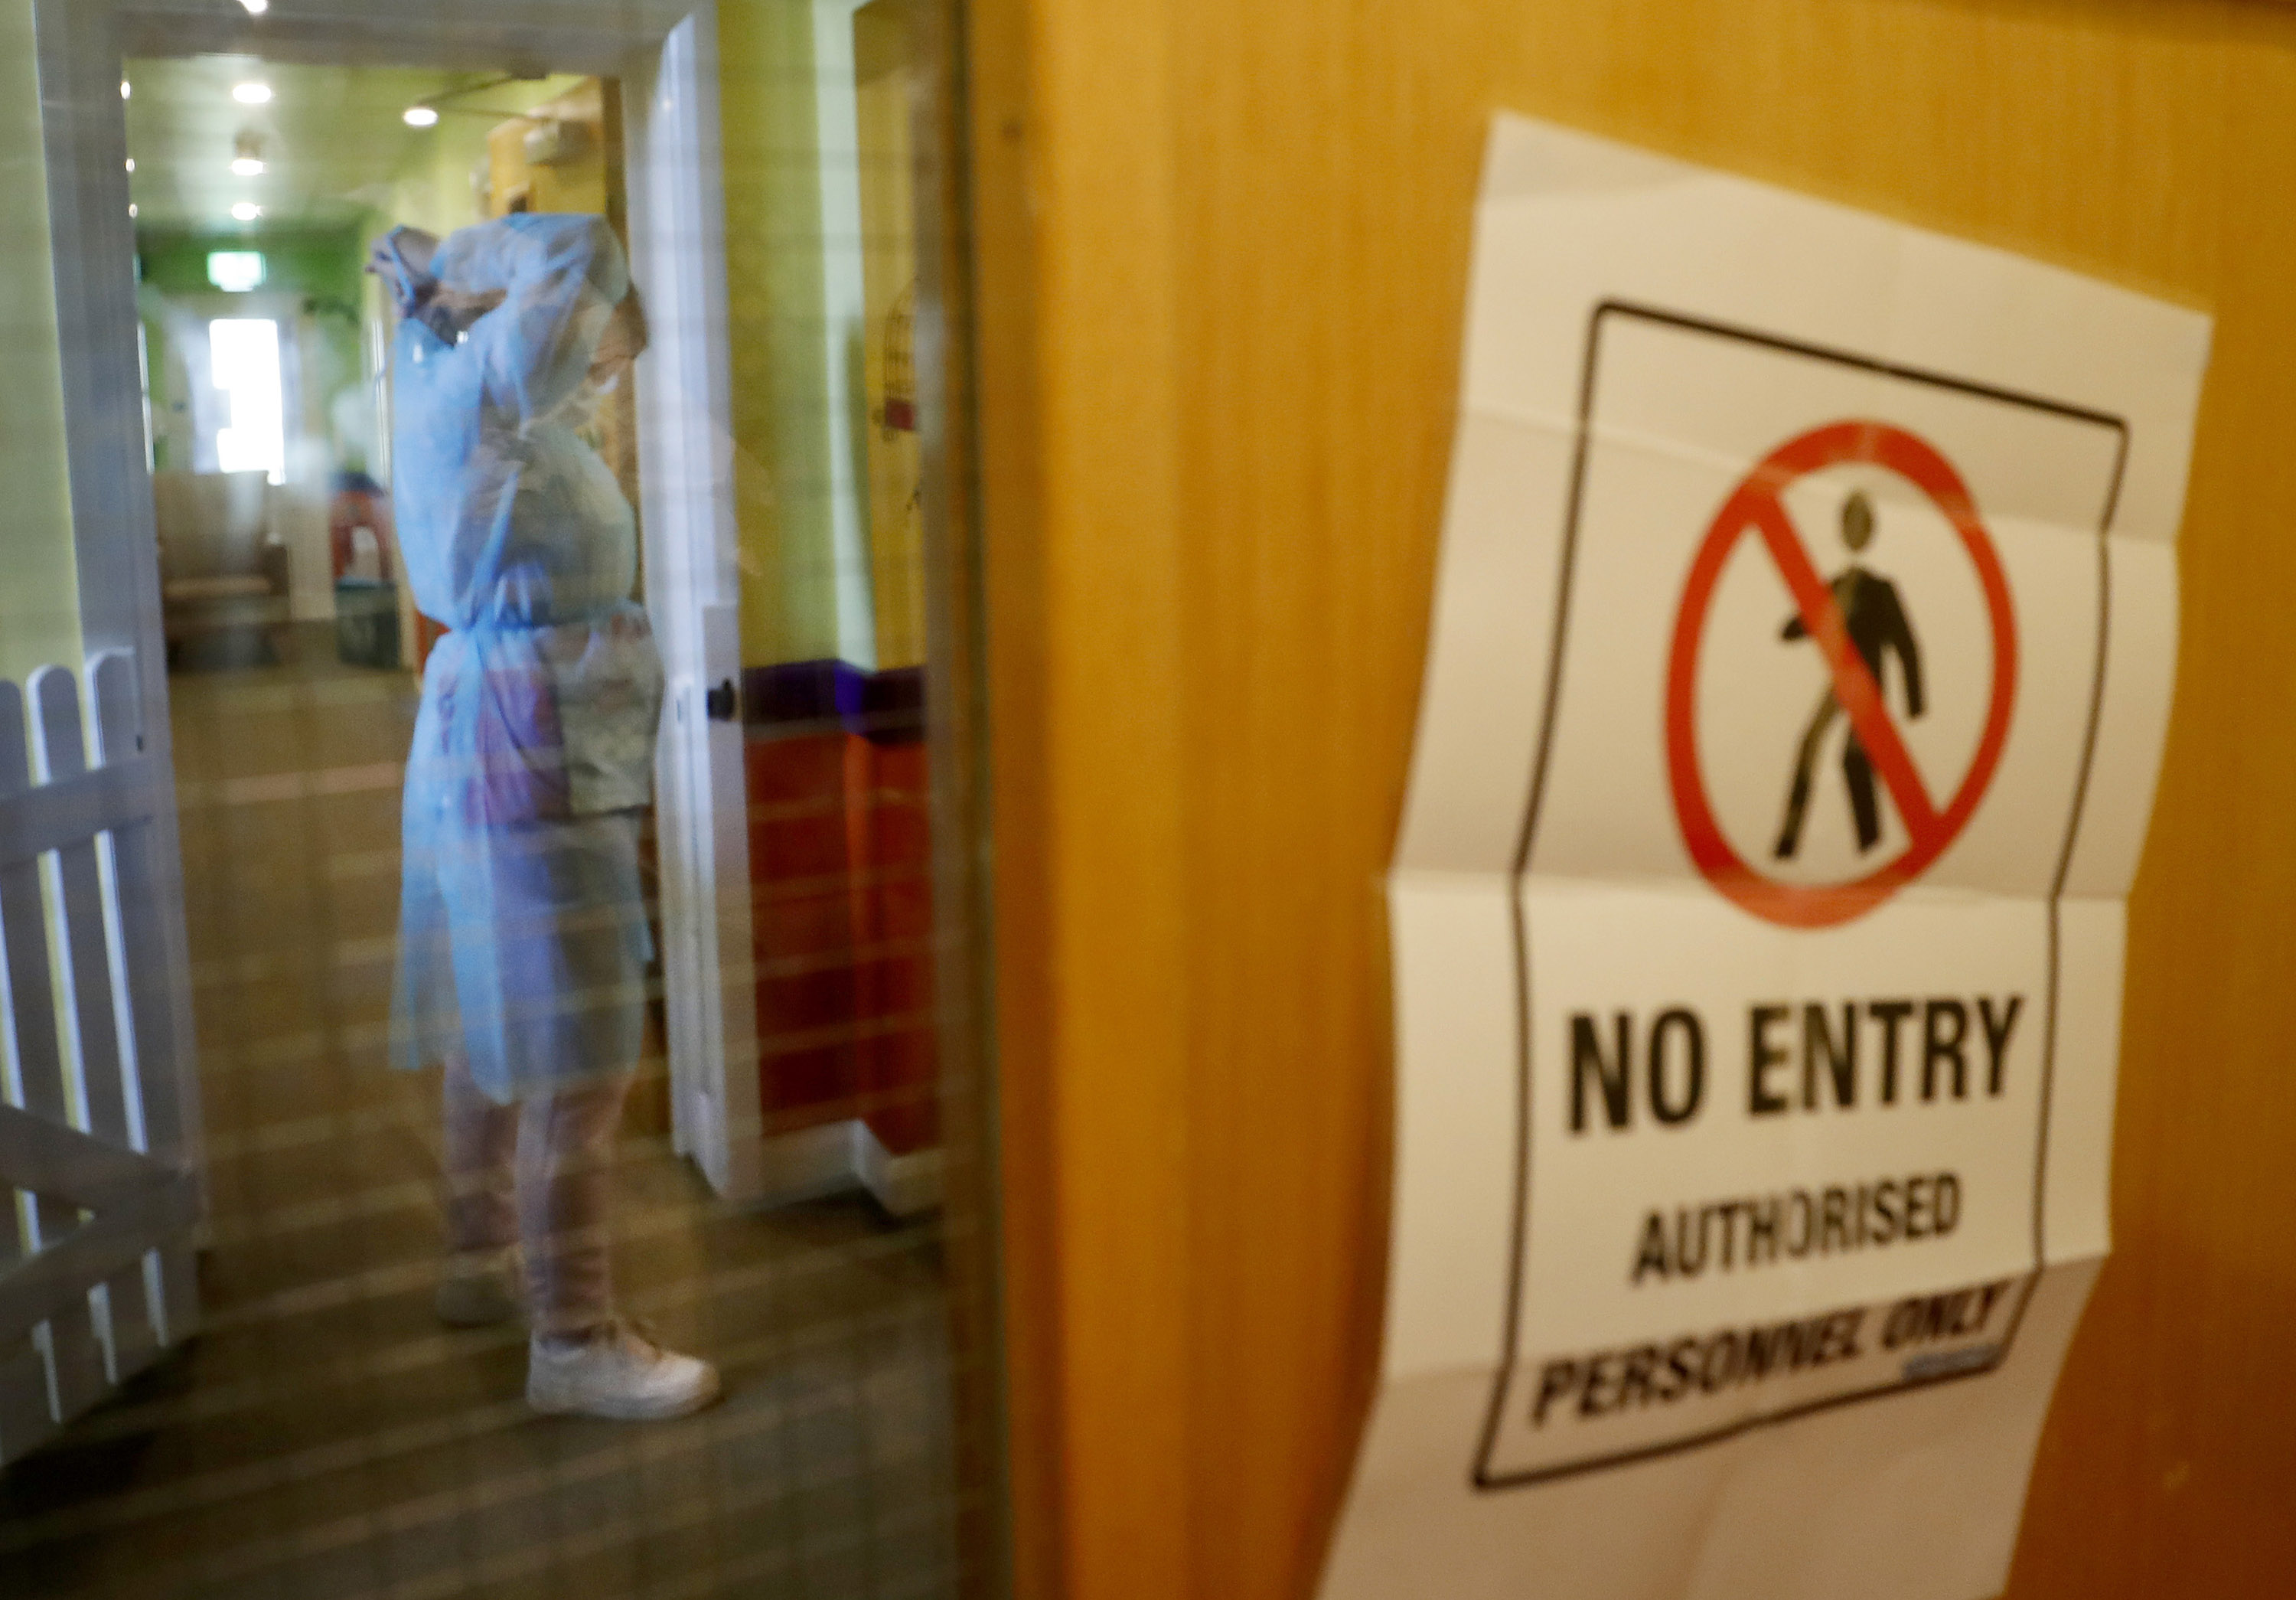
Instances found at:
x=1755 y=507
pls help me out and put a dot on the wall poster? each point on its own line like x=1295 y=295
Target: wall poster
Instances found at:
x=1802 y=655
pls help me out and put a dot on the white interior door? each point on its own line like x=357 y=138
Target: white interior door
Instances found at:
x=694 y=592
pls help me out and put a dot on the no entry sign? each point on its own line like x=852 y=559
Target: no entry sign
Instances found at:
x=1755 y=508
x=1757 y=911
x=1827 y=527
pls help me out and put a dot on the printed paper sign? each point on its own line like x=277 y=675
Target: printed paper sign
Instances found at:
x=1801 y=662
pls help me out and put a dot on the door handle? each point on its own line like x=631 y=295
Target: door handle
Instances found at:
x=722 y=703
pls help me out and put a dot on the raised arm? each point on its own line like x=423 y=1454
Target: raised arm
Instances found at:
x=560 y=276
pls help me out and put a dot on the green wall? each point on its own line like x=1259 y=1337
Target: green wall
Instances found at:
x=322 y=269
x=323 y=265
x=791 y=571
x=39 y=594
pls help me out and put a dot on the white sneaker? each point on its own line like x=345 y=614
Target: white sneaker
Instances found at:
x=616 y=1372
x=478 y=1288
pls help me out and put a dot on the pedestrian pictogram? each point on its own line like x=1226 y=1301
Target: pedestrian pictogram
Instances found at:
x=1858 y=621
x=1875 y=620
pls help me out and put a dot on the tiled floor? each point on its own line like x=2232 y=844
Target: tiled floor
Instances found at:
x=325 y=1439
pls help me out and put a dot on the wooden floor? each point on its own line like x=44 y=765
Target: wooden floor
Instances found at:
x=325 y=1439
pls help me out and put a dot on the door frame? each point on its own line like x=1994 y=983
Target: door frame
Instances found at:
x=664 y=52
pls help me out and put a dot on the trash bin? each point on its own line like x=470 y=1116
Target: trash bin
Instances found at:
x=366 y=591
x=366 y=622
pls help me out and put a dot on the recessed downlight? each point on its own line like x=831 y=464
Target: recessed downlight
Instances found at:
x=246 y=210
x=256 y=8
x=247 y=167
x=251 y=93
x=422 y=116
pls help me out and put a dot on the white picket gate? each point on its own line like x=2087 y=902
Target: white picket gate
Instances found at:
x=96 y=1165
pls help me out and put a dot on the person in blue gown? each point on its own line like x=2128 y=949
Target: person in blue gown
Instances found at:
x=524 y=942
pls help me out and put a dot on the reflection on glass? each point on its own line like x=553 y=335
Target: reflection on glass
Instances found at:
x=544 y=707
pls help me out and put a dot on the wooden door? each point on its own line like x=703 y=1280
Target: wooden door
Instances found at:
x=1222 y=253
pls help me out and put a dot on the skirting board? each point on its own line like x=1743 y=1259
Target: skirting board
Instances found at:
x=831 y=1159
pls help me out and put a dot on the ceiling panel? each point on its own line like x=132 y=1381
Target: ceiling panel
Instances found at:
x=332 y=139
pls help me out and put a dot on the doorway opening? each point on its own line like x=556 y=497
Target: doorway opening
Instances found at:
x=780 y=1204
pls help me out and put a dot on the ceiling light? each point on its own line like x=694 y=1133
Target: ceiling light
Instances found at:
x=247 y=167
x=256 y=8
x=124 y=89
x=131 y=163
x=251 y=93
x=246 y=210
x=421 y=116
x=131 y=208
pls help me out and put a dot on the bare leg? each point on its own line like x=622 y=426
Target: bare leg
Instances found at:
x=565 y=1194
x=1805 y=773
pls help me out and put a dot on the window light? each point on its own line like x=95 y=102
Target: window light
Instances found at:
x=244 y=362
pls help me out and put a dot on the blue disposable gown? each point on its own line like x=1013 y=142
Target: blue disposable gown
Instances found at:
x=522 y=936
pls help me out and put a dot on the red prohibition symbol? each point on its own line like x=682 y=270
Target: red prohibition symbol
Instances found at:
x=1755 y=507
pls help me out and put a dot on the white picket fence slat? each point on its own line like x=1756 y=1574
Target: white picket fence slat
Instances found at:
x=95 y=1242
x=143 y=957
